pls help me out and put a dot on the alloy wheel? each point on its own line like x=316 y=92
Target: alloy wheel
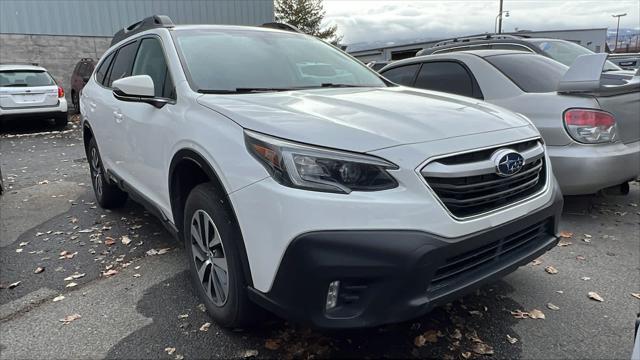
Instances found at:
x=96 y=171
x=209 y=257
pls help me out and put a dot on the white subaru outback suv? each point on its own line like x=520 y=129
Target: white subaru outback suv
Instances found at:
x=29 y=92
x=301 y=181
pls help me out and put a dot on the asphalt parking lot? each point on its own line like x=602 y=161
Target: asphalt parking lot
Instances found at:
x=120 y=282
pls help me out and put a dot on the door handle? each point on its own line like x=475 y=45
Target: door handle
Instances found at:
x=118 y=116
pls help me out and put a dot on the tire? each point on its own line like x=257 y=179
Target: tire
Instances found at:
x=233 y=309
x=109 y=196
x=76 y=102
x=62 y=120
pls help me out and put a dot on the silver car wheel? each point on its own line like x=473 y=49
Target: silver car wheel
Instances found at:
x=96 y=171
x=209 y=257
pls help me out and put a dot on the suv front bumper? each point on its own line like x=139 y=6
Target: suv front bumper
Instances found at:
x=389 y=276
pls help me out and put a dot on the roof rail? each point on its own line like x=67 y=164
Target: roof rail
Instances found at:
x=476 y=38
x=152 y=22
x=281 y=26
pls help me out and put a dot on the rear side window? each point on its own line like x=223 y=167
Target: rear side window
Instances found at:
x=531 y=73
x=25 y=78
x=445 y=76
x=403 y=75
x=122 y=64
x=151 y=61
x=102 y=69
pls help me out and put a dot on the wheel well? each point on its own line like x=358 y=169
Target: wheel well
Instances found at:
x=87 y=135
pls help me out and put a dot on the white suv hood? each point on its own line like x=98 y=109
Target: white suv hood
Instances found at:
x=362 y=119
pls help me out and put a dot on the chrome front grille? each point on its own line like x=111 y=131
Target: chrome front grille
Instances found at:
x=467 y=184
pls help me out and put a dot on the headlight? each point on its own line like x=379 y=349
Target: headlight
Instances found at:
x=590 y=126
x=312 y=168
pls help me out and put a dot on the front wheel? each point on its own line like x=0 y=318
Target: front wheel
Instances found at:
x=211 y=238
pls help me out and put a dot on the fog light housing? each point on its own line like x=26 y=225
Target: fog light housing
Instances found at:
x=332 y=295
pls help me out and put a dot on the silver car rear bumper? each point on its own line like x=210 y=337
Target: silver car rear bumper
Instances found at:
x=586 y=169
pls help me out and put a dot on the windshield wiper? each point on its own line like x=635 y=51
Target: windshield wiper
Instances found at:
x=334 y=85
x=244 y=90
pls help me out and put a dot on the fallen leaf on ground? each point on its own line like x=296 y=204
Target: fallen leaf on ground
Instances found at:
x=553 y=307
x=595 y=296
x=536 y=262
x=551 y=270
x=71 y=284
x=585 y=278
x=69 y=318
x=272 y=344
x=563 y=243
x=13 y=285
x=170 y=350
x=201 y=307
x=125 y=240
x=109 y=272
x=511 y=339
x=536 y=314
x=74 y=277
x=18 y=250
x=249 y=353
x=205 y=326
x=23 y=244
x=109 y=241
x=466 y=354
x=566 y=234
x=456 y=334
x=636 y=295
x=38 y=270
x=136 y=275
x=183 y=316
x=580 y=257
x=58 y=298
x=43 y=182
x=482 y=349
x=67 y=255
x=519 y=314
x=157 y=252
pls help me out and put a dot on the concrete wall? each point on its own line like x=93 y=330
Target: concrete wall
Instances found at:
x=58 y=54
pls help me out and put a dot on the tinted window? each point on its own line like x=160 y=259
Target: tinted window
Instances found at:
x=566 y=52
x=447 y=77
x=102 y=69
x=532 y=73
x=122 y=64
x=24 y=78
x=226 y=60
x=151 y=61
x=403 y=75
x=86 y=69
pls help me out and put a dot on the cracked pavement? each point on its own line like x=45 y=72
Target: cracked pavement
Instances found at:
x=148 y=308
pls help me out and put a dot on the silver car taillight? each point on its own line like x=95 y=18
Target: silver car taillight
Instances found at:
x=590 y=126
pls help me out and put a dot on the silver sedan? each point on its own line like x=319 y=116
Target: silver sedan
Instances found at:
x=590 y=120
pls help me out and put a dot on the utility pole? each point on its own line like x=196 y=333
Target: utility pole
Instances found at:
x=500 y=19
x=615 y=46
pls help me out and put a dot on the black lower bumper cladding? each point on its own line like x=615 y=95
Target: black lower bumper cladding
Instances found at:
x=389 y=276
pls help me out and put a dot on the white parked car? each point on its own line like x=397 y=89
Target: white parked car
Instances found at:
x=28 y=92
x=344 y=204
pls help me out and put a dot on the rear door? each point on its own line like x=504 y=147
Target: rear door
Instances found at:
x=448 y=76
x=23 y=89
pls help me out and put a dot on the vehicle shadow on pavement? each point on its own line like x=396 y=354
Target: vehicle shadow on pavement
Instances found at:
x=474 y=326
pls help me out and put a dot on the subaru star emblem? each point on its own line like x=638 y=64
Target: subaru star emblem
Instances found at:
x=507 y=161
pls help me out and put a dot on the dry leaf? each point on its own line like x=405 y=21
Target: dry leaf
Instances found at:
x=563 y=243
x=170 y=350
x=536 y=262
x=636 y=295
x=109 y=241
x=511 y=339
x=109 y=272
x=536 y=314
x=58 y=298
x=38 y=270
x=585 y=278
x=71 y=284
x=553 y=307
x=272 y=344
x=136 y=275
x=551 y=270
x=183 y=316
x=18 y=250
x=249 y=353
x=13 y=285
x=69 y=318
x=566 y=234
x=74 y=277
x=519 y=314
x=205 y=326
x=157 y=252
x=482 y=349
x=125 y=240
x=466 y=354
x=456 y=334
x=23 y=244
x=594 y=296
x=419 y=341
x=580 y=257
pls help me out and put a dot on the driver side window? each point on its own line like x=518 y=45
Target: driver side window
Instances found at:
x=150 y=61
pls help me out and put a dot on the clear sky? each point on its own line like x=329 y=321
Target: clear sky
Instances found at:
x=377 y=20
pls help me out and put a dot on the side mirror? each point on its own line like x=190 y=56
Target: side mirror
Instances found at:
x=138 y=88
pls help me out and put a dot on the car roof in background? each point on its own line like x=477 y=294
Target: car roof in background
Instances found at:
x=456 y=54
x=13 y=67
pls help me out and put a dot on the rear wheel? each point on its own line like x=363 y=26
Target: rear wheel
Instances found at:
x=211 y=238
x=76 y=102
x=109 y=195
x=62 y=120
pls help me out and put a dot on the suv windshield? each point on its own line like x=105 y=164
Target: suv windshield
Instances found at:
x=25 y=78
x=530 y=72
x=566 y=52
x=246 y=60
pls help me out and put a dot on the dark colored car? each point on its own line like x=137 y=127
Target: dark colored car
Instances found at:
x=81 y=74
x=559 y=50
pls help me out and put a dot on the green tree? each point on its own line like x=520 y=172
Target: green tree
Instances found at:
x=306 y=15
